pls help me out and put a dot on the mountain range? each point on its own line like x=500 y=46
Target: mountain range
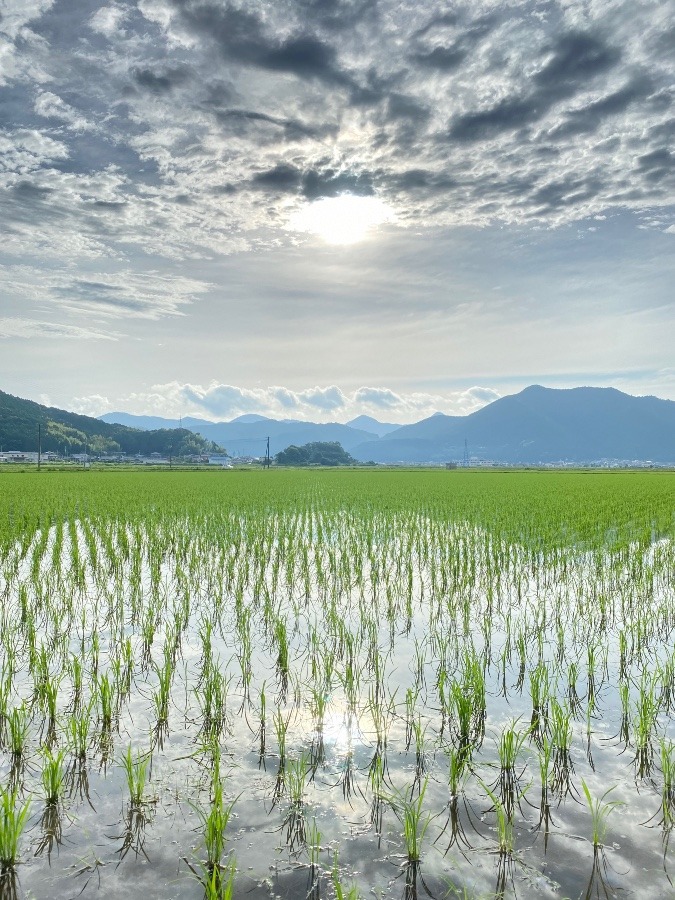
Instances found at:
x=539 y=426
x=536 y=426
x=247 y=435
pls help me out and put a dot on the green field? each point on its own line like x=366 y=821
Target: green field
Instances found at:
x=310 y=683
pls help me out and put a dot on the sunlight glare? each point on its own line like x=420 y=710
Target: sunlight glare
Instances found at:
x=346 y=219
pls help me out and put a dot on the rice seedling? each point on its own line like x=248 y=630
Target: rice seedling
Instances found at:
x=136 y=772
x=600 y=810
x=539 y=692
x=504 y=825
x=296 y=773
x=18 y=728
x=13 y=817
x=214 y=825
x=458 y=768
x=105 y=699
x=646 y=712
x=53 y=775
x=218 y=883
x=414 y=819
x=78 y=730
x=667 y=755
x=342 y=892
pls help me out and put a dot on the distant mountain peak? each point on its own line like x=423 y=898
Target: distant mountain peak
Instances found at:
x=374 y=426
x=250 y=417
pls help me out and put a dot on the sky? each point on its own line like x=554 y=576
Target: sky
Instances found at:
x=320 y=208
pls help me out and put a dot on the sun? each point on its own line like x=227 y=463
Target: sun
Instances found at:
x=346 y=219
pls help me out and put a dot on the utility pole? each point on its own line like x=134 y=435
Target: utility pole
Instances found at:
x=466 y=454
x=267 y=455
x=39 y=445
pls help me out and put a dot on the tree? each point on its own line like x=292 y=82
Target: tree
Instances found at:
x=317 y=453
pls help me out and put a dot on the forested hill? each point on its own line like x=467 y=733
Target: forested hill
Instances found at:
x=70 y=433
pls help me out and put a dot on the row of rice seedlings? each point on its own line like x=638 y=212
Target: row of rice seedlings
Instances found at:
x=390 y=573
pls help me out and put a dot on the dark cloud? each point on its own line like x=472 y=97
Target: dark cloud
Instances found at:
x=112 y=206
x=658 y=165
x=317 y=184
x=576 y=59
x=338 y=15
x=305 y=56
x=444 y=19
x=506 y=115
x=566 y=192
x=241 y=37
x=589 y=118
x=449 y=56
x=401 y=106
x=242 y=120
x=313 y=184
x=28 y=190
x=446 y=59
x=423 y=181
x=159 y=82
x=281 y=178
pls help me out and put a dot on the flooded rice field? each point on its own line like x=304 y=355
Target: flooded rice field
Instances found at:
x=332 y=693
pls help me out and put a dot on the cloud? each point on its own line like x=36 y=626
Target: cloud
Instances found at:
x=107 y=20
x=16 y=327
x=378 y=397
x=326 y=399
x=166 y=136
x=105 y=295
x=576 y=58
x=189 y=128
x=226 y=401
x=50 y=106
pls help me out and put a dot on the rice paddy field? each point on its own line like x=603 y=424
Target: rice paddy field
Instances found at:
x=337 y=684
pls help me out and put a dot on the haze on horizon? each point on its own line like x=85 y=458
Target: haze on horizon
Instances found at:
x=312 y=209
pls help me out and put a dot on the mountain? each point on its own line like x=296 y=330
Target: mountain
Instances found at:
x=142 y=423
x=247 y=435
x=68 y=432
x=539 y=425
x=251 y=417
x=368 y=423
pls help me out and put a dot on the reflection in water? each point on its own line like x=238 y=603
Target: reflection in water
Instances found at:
x=9 y=885
x=414 y=884
x=347 y=777
x=313 y=839
x=133 y=836
x=106 y=745
x=51 y=828
x=294 y=828
x=453 y=829
x=505 y=868
x=545 y=817
x=599 y=884
x=563 y=769
x=159 y=734
x=76 y=781
x=317 y=752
